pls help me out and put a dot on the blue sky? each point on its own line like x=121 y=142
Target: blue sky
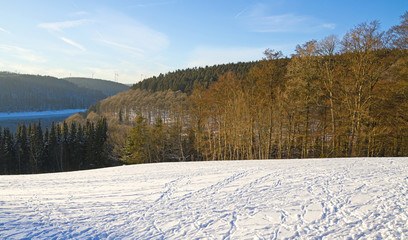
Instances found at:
x=135 y=39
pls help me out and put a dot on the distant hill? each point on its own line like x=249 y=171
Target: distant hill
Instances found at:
x=23 y=92
x=108 y=88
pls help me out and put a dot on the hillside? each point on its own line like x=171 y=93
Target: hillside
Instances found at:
x=108 y=88
x=281 y=108
x=185 y=80
x=122 y=109
x=22 y=92
x=299 y=199
x=332 y=98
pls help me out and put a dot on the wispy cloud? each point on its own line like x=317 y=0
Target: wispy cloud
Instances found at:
x=22 y=53
x=108 y=41
x=80 y=13
x=4 y=30
x=111 y=28
x=72 y=43
x=241 y=13
x=279 y=23
x=258 y=19
x=123 y=46
x=120 y=31
x=59 y=26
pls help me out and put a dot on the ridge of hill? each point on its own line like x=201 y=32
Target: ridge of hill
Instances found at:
x=24 y=92
x=106 y=87
x=184 y=80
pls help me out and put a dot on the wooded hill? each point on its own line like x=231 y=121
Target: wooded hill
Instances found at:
x=333 y=98
x=108 y=88
x=22 y=92
x=185 y=80
x=122 y=110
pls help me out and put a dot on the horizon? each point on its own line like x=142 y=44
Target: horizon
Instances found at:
x=129 y=41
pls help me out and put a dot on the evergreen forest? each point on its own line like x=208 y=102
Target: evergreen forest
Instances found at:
x=62 y=147
x=186 y=80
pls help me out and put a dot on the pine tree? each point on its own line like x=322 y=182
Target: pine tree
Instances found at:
x=136 y=149
x=51 y=164
x=89 y=145
x=65 y=151
x=79 y=147
x=99 y=141
x=9 y=162
x=158 y=140
x=22 y=149
x=72 y=143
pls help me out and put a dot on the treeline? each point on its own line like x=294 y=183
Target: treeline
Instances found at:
x=333 y=98
x=22 y=92
x=107 y=88
x=185 y=80
x=59 y=148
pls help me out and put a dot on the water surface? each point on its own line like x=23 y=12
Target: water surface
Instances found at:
x=12 y=119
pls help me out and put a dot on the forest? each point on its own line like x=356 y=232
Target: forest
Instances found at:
x=334 y=97
x=107 y=88
x=186 y=80
x=62 y=147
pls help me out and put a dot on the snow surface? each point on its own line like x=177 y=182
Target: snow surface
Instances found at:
x=274 y=199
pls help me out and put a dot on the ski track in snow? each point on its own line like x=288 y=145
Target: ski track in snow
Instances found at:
x=272 y=199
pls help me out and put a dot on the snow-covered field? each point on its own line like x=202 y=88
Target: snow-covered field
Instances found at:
x=275 y=199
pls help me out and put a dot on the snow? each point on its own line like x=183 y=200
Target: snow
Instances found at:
x=271 y=199
x=39 y=114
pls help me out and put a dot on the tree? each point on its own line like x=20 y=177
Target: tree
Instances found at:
x=9 y=161
x=89 y=145
x=100 y=137
x=36 y=146
x=136 y=149
x=158 y=138
x=22 y=148
x=302 y=92
x=365 y=62
x=328 y=65
x=399 y=33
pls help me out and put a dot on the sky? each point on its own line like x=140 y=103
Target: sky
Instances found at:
x=129 y=40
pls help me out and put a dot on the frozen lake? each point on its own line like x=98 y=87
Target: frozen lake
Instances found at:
x=36 y=115
x=12 y=119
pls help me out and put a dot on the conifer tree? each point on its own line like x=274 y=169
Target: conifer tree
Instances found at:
x=89 y=145
x=23 y=155
x=136 y=149
x=80 y=147
x=51 y=164
x=9 y=162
